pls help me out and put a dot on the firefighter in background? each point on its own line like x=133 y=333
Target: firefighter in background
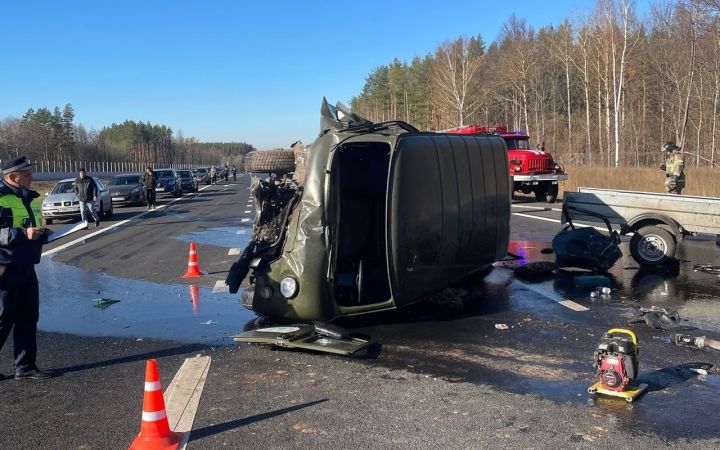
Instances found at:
x=673 y=167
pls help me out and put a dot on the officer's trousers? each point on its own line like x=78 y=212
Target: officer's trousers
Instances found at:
x=19 y=313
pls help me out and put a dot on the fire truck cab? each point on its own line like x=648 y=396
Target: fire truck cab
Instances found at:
x=532 y=170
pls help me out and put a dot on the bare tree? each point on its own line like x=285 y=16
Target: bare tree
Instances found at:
x=518 y=40
x=619 y=18
x=457 y=69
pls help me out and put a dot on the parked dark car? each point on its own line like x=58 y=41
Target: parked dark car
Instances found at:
x=201 y=175
x=187 y=180
x=126 y=189
x=168 y=182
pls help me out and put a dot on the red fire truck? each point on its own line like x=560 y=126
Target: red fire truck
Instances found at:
x=532 y=170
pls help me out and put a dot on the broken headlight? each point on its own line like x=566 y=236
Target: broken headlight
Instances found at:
x=288 y=287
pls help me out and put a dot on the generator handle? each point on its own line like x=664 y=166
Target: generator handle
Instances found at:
x=624 y=331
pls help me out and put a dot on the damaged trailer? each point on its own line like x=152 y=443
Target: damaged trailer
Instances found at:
x=659 y=222
x=382 y=216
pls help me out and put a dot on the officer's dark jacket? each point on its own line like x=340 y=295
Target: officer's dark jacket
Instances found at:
x=85 y=188
x=15 y=248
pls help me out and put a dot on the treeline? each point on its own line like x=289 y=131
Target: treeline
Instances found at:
x=607 y=88
x=45 y=135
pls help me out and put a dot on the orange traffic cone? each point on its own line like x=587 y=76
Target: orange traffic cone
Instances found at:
x=193 y=269
x=195 y=298
x=155 y=431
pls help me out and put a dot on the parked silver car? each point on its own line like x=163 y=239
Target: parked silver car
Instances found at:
x=62 y=203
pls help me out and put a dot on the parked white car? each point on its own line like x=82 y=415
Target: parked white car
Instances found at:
x=62 y=203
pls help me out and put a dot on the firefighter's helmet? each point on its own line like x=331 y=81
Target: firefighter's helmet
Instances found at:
x=669 y=147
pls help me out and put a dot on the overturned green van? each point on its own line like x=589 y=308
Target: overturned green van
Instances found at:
x=371 y=217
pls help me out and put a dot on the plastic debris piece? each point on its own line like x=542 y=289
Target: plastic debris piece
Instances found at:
x=594 y=294
x=663 y=319
x=104 y=302
x=536 y=271
x=707 y=268
x=605 y=290
x=501 y=326
x=592 y=280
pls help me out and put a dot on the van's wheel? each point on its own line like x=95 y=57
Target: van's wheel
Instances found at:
x=332 y=331
x=266 y=161
x=653 y=246
x=552 y=193
x=540 y=193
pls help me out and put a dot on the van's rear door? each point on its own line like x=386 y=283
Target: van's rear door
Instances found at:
x=448 y=210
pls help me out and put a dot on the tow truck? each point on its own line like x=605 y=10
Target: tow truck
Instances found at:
x=532 y=171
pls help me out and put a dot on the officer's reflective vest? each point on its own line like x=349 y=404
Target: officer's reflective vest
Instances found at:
x=21 y=218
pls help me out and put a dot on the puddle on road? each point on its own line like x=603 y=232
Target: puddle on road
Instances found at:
x=220 y=237
x=694 y=294
x=145 y=310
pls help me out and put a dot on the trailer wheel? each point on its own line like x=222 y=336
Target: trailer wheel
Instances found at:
x=552 y=193
x=266 y=161
x=652 y=246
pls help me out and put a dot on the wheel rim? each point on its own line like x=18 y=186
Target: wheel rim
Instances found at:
x=652 y=248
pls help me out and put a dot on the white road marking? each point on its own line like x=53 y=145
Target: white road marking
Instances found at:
x=106 y=229
x=182 y=397
x=552 y=296
x=233 y=251
x=247 y=212
x=220 y=286
x=245 y=219
x=537 y=208
x=240 y=231
x=547 y=219
x=574 y=306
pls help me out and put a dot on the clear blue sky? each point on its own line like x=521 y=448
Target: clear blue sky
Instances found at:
x=252 y=71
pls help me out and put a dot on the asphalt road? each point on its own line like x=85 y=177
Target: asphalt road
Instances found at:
x=445 y=376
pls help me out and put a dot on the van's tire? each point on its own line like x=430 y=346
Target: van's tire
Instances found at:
x=653 y=246
x=332 y=331
x=266 y=161
x=552 y=193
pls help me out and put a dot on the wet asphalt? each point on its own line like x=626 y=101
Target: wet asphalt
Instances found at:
x=444 y=376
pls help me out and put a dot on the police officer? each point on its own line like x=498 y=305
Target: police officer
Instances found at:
x=20 y=249
x=673 y=167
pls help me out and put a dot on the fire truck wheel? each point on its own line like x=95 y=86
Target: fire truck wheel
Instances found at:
x=540 y=193
x=552 y=193
x=652 y=246
x=270 y=161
